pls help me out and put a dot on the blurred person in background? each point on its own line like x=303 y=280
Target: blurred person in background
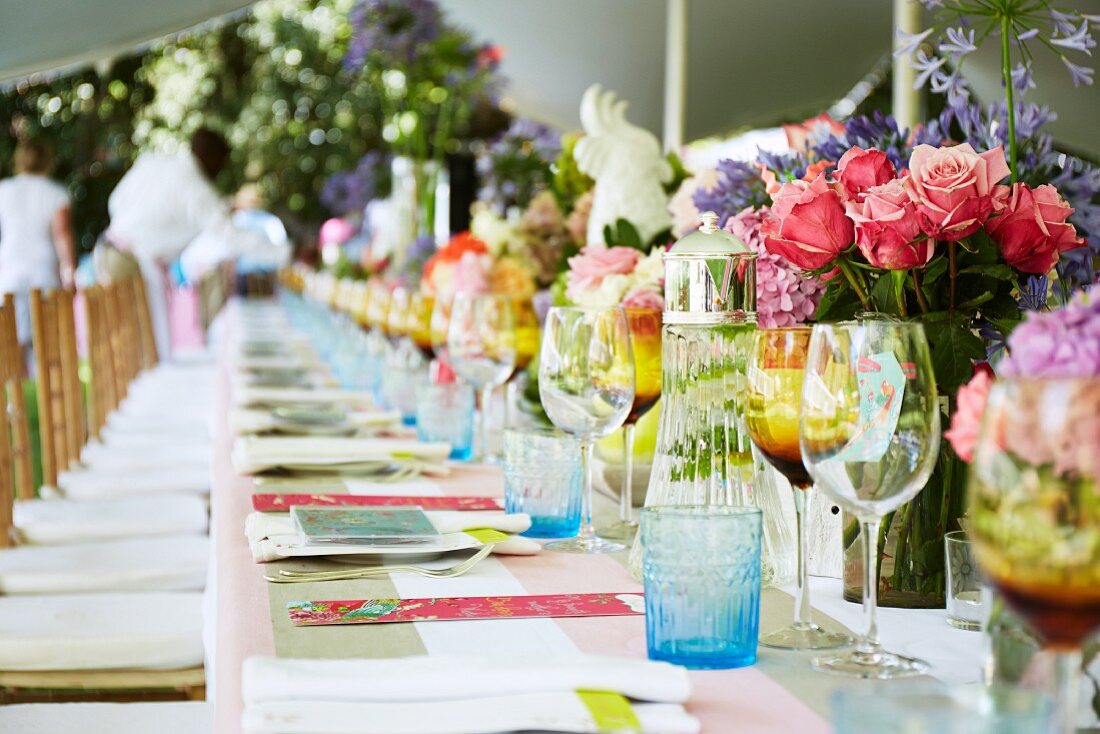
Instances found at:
x=36 y=237
x=166 y=208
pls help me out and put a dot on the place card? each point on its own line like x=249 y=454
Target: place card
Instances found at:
x=377 y=611
x=283 y=502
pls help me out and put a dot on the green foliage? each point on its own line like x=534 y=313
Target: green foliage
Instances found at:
x=569 y=183
x=623 y=234
x=679 y=173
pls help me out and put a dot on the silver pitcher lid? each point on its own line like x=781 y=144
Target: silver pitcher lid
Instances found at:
x=710 y=276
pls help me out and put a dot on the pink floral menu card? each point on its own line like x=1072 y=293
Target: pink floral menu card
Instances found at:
x=283 y=502
x=372 y=611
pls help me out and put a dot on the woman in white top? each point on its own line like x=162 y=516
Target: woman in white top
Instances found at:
x=36 y=240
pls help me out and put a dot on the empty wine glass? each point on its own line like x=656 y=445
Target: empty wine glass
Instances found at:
x=869 y=433
x=481 y=343
x=586 y=384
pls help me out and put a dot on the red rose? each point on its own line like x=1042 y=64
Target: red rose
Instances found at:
x=859 y=170
x=1032 y=231
x=806 y=224
x=953 y=188
x=888 y=228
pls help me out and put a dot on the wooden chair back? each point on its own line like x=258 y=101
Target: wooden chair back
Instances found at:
x=16 y=472
x=60 y=406
x=149 y=356
x=51 y=401
x=102 y=394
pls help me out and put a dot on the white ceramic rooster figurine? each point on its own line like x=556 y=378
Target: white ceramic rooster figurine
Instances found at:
x=627 y=164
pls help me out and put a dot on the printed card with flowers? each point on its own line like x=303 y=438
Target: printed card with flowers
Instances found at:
x=375 y=611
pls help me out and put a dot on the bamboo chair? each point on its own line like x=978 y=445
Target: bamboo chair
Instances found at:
x=60 y=407
x=16 y=479
x=102 y=394
x=149 y=356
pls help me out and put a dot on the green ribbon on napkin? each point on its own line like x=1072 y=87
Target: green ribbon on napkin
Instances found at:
x=487 y=536
x=610 y=711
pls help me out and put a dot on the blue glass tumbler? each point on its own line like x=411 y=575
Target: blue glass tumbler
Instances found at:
x=445 y=412
x=701 y=569
x=542 y=477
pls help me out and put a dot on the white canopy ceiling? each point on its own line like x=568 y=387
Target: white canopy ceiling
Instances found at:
x=750 y=62
x=42 y=35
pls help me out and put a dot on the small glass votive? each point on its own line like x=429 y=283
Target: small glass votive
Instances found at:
x=932 y=708
x=701 y=570
x=542 y=477
x=966 y=609
x=445 y=412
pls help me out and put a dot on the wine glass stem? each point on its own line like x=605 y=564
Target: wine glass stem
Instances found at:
x=803 y=497
x=485 y=396
x=587 y=531
x=869 y=643
x=1067 y=687
x=626 y=492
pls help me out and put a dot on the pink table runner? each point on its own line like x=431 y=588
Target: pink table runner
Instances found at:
x=746 y=700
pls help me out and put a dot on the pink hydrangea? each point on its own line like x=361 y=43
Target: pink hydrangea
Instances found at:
x=1060 y=343
x=784 y=296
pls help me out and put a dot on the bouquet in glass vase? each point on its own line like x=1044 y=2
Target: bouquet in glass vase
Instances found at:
x=943 y=241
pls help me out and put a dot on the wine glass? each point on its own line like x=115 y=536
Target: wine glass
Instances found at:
x=586 y=384
x=1034 y=515
x=481 y=342
x=870 y=432
x=419 y=322
x=645 y=342
x=773 y=399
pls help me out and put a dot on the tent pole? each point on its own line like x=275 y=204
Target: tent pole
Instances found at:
x=906 y=99
x=675 y=73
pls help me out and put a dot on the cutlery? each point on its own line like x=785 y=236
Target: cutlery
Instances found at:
x=291 y=577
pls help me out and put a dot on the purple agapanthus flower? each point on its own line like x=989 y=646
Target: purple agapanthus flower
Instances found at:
x=350 y=191
x=517 y=164
x=395 y=31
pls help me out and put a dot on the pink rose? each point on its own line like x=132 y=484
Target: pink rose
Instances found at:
x=471 y=274
x=644 y=297
x=859 y=170
x=888 y=228
x=1032 y=231
x=807 y=225
x=953 y=188
x=595 y=262
x=967 y=421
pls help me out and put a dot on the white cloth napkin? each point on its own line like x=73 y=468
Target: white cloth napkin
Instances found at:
x=84 y=484
x=244 y=421
x=147 y=630
x=444 y=678
x=252 y=454
x=272 y=535
x=247 y=395
x=175 y=563
x=187 y=717
x=544 y=712
x=57 y=522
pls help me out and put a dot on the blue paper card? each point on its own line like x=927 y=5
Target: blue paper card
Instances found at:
x=364 y=525
x=881 y=382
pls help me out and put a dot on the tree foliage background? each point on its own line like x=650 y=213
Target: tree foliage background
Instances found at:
x=271 y=80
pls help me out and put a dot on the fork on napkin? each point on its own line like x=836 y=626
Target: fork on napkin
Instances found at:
x=272 y=535
x=254 y=454
x=422 y=695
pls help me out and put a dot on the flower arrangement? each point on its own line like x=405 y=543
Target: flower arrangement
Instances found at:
x=517 y=165
x=600 y=277
x=466 y=264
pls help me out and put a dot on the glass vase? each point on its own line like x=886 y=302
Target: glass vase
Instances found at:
x=911 y=573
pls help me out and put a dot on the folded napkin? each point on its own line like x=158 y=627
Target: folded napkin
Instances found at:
x=84 y=484
x=445 y=678
x=247 y=395
x=276 y=362
x=272 y=535
x=253 y=454
x=243 y=421
x=175 y=563
x=544 y=712
x=57 y=522
x=146 y=630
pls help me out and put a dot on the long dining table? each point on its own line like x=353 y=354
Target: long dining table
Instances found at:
x=780 y=693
